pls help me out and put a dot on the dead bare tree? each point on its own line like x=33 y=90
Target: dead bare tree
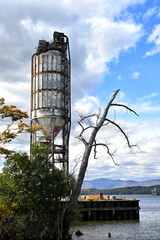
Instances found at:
x=101 y=120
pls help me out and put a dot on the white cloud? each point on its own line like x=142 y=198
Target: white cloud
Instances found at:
x=119 y=77
x=107 y=39
x=31 y=27
x=16 y=94
x=146 y=105
x=121 y=97
x=150 y=96
x=86 y=105
x=153 y=52
x=88 y=7
x=154 y=38
x=150 y=12
x=38 y=28
x=4 y=34
x=135 y=75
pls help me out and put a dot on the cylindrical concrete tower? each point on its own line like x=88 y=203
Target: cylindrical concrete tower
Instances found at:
x=50 y=96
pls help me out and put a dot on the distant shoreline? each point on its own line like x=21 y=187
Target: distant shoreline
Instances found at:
x=121 y=191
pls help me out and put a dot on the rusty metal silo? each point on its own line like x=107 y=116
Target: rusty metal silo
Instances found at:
x=50 y=96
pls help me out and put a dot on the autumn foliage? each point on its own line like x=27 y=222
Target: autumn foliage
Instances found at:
x=15 y=126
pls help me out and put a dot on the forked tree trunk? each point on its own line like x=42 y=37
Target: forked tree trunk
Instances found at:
x=88 y=147
x=101 y=121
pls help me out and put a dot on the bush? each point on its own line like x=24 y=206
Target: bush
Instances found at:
x=31 y=193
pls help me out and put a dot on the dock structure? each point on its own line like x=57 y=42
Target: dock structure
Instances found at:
x=109 y=210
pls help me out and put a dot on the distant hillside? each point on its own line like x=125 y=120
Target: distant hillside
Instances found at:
x=103 y=183
x=121 y=191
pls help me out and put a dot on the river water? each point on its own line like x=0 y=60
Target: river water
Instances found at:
x=147 y=228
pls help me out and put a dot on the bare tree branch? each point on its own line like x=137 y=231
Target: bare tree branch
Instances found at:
x=121 y=130
x=124 y=106
x=82 y=139
x=95 y=150
x=85 y=117
x=98 y=115
x=108 y=151
x=84 y=128
x=77 y=161
x=105 y=124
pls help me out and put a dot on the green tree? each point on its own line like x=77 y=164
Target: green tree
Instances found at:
x=31 y=189
x=32 y=194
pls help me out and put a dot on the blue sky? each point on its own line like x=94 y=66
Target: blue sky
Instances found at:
x=115 y=44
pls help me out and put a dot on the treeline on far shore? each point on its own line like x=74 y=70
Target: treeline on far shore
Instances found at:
x=121 y=191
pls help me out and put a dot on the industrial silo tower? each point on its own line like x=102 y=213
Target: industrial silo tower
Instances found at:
x=50 y=97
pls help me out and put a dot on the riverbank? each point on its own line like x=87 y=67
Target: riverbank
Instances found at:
x=138 y=190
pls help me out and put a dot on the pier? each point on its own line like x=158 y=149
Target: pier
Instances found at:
x=114 y=209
